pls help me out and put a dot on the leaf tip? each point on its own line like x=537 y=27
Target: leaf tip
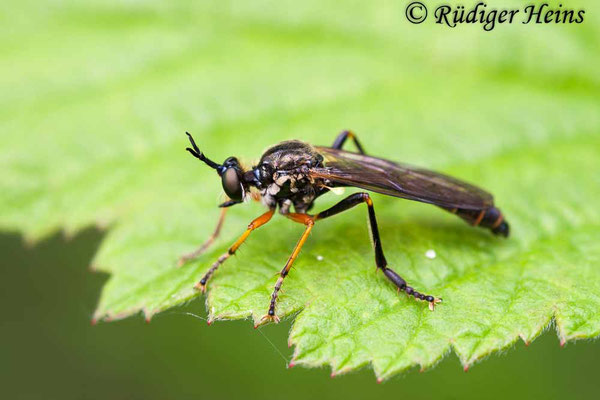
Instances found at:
x=29 y=241
x=68 y=234
x=102 y=223
x=524 y=339
x=148 y=314
x=97 y=317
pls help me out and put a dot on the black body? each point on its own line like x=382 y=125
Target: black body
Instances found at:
x=294 y=174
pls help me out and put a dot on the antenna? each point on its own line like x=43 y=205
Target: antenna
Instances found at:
x=200 y=156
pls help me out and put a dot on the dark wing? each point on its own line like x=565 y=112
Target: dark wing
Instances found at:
x=343 y=168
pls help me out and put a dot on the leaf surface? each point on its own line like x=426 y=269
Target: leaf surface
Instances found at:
x=95 y=99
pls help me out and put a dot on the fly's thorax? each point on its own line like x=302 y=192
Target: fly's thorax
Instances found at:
x=288 y=188
x=286 y=183
x=269 y=194
x=291 y=155
x=268 y=200
x=282 y=175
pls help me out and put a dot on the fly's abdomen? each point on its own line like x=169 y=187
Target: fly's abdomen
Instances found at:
x=490 y=218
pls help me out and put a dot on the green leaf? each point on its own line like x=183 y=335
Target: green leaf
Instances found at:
x=95 y=100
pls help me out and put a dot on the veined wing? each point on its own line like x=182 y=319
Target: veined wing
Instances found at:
x=344 y=168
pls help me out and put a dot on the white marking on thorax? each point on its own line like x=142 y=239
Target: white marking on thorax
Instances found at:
x=273 y=189
x=281 y=179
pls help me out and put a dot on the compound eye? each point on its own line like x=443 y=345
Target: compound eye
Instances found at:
x=232 y=185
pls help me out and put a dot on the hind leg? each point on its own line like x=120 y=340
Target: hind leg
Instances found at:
x=341 y=139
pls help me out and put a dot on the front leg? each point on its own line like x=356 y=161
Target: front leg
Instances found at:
x=202 y=248
x=255 y=224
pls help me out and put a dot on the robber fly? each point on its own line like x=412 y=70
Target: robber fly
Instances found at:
x=295 y=173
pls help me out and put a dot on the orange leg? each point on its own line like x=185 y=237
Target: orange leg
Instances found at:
x=309 y=221
x=255 y=224
x=201 y=249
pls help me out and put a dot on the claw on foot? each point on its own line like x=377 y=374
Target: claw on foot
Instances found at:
x=200 y=287
x=433 y=303
x=269 y=318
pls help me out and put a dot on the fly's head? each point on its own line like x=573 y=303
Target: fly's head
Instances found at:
x=232 y=180
x=235 y=181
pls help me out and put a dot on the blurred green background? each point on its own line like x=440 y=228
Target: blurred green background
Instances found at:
x=138 y=73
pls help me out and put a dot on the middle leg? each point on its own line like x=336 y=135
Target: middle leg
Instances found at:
x=308 y=221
